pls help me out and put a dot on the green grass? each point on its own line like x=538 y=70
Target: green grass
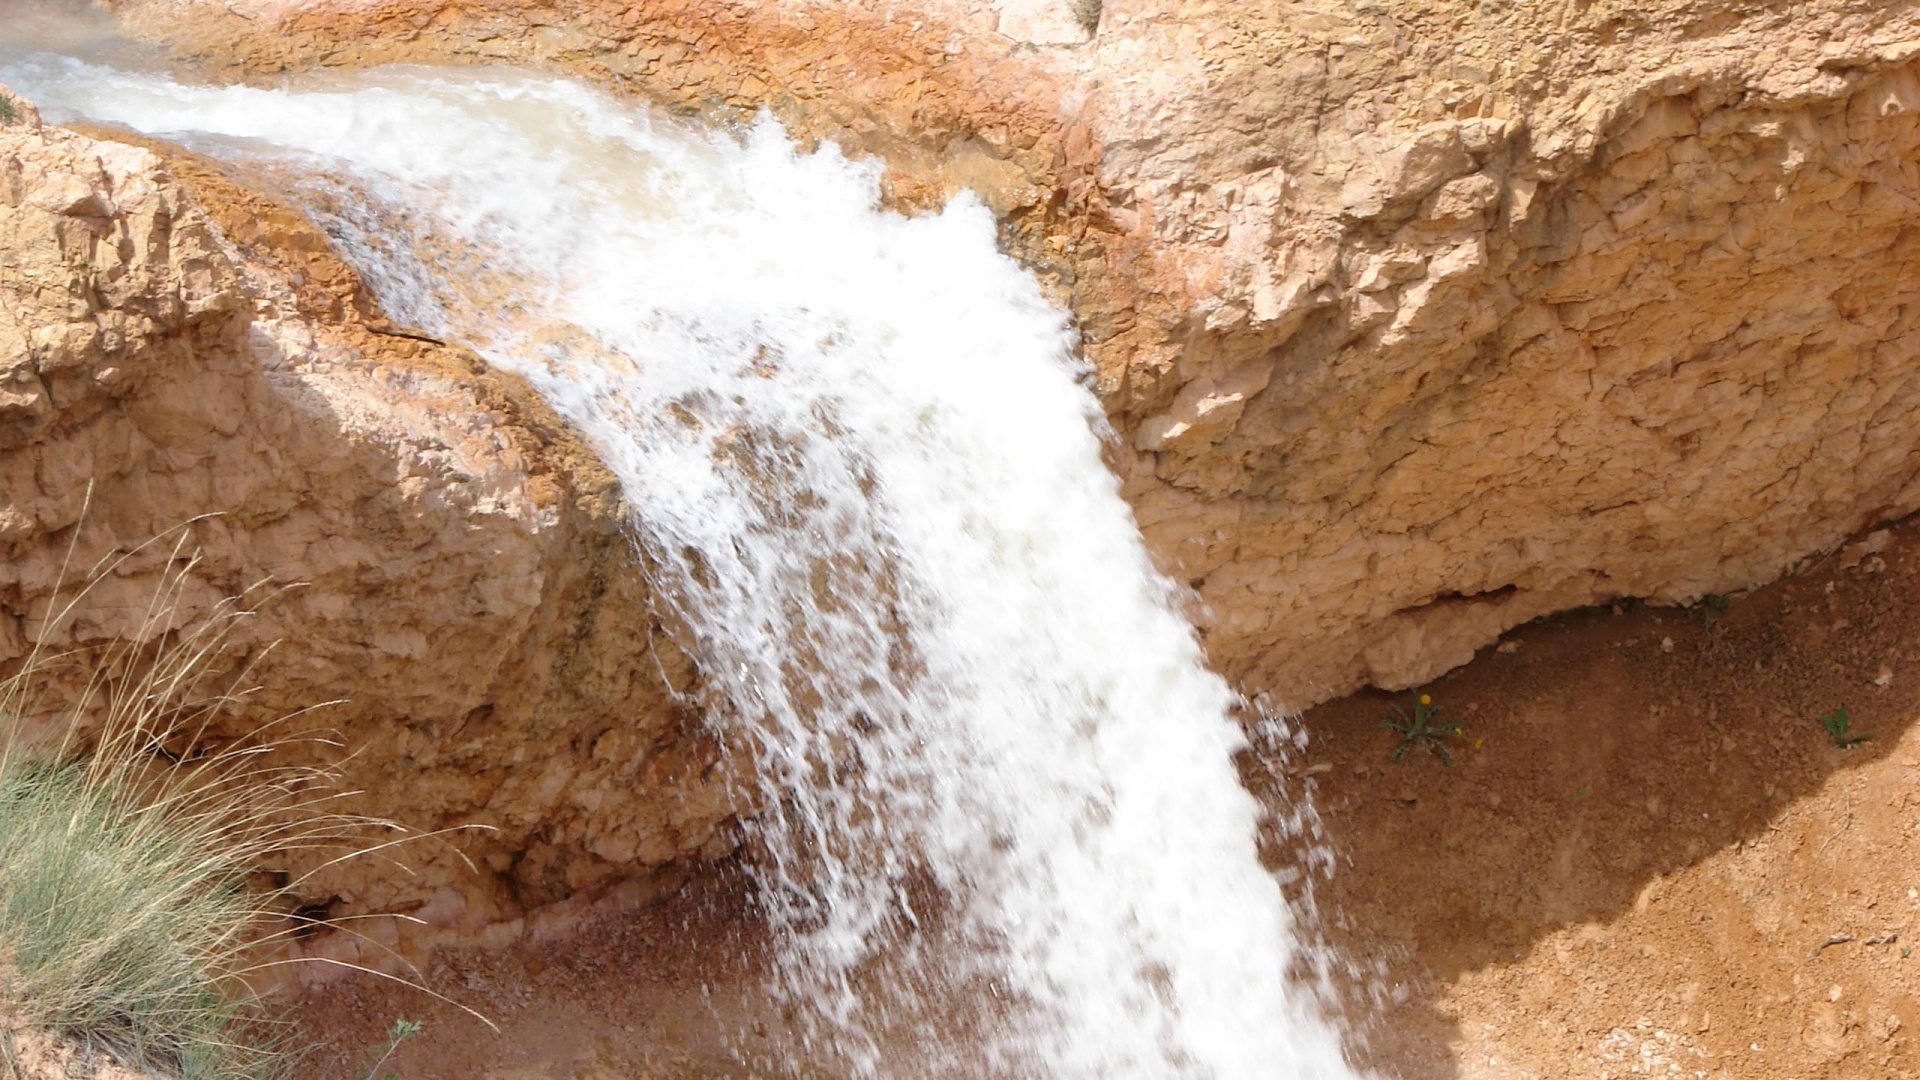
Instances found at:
x=118 y=924
x=133 y=838
x=126 y=920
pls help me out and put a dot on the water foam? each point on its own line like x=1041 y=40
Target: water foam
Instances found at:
x=1002 y=832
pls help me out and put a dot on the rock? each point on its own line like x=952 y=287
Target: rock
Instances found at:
x=1048 y=22
x=178 y=346
x=1643 y=335
x=17 y=112
x=1417 y=325
x=36 y=1054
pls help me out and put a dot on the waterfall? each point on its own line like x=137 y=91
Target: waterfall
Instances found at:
x=1001 y=833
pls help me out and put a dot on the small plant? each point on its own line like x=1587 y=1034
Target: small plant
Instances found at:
x=1711 y=608
x=124 y=917
x=1839 y=728
x=8 y=114
x=401 y=1031
x=1417 y=729
x=126 y=842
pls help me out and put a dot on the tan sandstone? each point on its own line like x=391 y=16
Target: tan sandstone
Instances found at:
x=466 y=593
x=1416 y=320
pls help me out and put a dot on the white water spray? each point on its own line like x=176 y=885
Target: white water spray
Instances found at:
x=863 y=456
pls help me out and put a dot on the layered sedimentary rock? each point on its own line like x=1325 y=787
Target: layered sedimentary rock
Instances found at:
x=1416 y=321
x=172 y=345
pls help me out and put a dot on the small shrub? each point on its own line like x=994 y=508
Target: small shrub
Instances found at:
x=1711 y=608
x=126 y=922
x=401 y=1031
x=115 y=925
x=1418 y=730
x=7 y=112
x=1839 y=727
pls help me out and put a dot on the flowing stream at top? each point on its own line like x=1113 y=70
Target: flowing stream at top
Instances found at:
x=1003 y=834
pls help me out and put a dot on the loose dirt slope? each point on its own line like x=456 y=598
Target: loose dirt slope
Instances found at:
x=1650 y=860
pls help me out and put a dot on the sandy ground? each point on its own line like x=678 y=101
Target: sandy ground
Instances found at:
x=1648 y=859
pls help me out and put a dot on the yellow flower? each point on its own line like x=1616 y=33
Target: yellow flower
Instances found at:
x=1426 y=699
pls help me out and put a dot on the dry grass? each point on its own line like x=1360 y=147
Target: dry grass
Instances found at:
x=126 y=920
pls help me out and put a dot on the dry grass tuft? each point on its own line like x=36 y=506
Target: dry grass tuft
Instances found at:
x=126 y=920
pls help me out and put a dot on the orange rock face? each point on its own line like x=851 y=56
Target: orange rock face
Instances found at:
x=1415 y=323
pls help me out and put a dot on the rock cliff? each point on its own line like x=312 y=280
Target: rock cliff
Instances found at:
x=1416 y=321
x=1487 y=311
x=464 y=586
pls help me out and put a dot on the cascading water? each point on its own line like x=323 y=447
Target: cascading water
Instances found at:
x=1002 y=832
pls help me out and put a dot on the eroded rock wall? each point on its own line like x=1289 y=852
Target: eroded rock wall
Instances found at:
x=1495 y=312
x=1416 y=321
x=465 y=588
